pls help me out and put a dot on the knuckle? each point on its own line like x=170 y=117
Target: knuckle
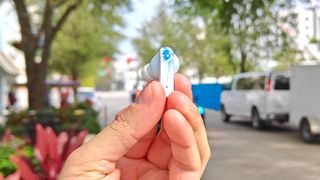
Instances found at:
x=122 y=128
x=120 y=120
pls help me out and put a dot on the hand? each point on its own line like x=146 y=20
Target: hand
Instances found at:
x=130 y=148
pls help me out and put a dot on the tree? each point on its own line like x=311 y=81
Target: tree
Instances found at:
x=253 y=27
x=193 y=43
x=40 y=21
x=82 y=44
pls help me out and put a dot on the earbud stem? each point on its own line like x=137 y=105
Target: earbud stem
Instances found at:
x=167 y=71
x=162 y=68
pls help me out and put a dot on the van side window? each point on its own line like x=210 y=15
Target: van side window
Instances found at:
x=244 y=83
x=259 y=82
x=281 y=83
x=251 y=83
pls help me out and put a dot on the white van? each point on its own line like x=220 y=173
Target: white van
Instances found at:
x=263 y=96
x=305 y=106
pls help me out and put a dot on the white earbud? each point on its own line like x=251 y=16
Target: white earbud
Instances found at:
x=162 y=68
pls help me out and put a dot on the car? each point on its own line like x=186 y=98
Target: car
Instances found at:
x=88 y=94
x=137 y=88
x=262 y=96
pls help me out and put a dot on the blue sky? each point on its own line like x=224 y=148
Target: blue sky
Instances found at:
x=143 y=10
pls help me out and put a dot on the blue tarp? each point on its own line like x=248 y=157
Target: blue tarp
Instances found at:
x=207 y=95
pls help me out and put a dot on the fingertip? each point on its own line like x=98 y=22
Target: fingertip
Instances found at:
x=157 y=88
x=172 y=118
x=180 y=102
x=183 y=84
x=177 y=98
x=151 y=93
x=177 y=127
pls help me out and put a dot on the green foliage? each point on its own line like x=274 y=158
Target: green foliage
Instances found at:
x=1 y=130
x=81 y=116
x=89 y=35
x=254 y=27
x=201 y=47
x=6 y=166
x=8 y=148
x=314 y=40
x=41 y=21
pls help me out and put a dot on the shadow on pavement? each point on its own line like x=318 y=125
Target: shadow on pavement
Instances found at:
x=274 y=128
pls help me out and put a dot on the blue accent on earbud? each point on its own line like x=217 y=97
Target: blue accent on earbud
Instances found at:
x=167 y=54
x=201 y=110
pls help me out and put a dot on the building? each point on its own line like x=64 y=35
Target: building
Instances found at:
x=126 y=74
x=12 y=66
x=8 y=72
x=307 y=36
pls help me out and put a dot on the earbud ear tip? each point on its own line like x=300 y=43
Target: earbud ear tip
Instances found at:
x=176 y=64
x=144 y=73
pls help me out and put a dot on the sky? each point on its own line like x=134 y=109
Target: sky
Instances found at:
x=143 y=10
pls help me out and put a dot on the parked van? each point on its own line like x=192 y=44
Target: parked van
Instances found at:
x=262 y=96
x=305 y=106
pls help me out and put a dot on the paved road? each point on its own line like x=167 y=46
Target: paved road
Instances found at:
x=241 y=153
x=110 y=104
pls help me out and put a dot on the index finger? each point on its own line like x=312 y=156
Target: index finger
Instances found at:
x=180 y=102
x=182 y=84
x=160 y=151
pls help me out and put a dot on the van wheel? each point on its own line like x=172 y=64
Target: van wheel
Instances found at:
x=223 y=115
x=256 y=121
x=305 y=131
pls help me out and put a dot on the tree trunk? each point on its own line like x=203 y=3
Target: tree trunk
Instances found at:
x=200 y=75
x=37 y=91
x=243 y=62
x=74 y=76
x=36 y=73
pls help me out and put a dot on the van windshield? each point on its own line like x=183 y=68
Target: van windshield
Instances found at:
x=281 y=82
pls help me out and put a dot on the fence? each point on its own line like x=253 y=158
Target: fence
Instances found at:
x=207 y=95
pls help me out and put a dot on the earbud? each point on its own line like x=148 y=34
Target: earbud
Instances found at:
x=162 y=68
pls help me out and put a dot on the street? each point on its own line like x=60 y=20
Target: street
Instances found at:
x=242 y=153
x=110 y=104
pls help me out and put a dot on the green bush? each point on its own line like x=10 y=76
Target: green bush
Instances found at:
x=2 y=128
x=313 y=40
x=6 y=166
x=79 y=116
x=10 y=148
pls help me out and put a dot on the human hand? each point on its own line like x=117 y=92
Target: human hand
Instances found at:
x=130 y=148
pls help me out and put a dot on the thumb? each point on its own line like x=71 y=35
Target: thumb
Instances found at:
x=130 y=124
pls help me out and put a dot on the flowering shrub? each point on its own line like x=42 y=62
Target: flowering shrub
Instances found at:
x=50 y=150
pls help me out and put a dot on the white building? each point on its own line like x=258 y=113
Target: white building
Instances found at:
x=307 y=36
x=12 y=65
x=126 y=74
